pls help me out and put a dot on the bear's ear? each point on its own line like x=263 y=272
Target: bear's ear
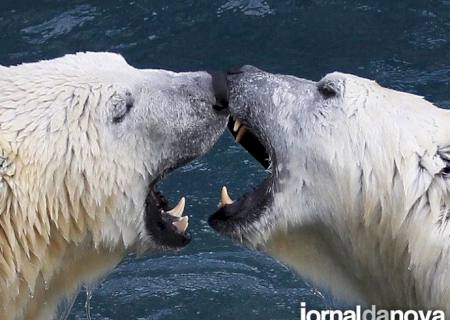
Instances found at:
x=444 y=154
x=122 y=103
x=328 y=89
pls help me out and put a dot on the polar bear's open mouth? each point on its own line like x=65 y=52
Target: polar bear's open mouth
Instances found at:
x=167 y=226
x=232 y=217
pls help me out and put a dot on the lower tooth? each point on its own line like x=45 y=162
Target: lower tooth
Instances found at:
x=181 y=224
x=225 y=198
x=178 y=210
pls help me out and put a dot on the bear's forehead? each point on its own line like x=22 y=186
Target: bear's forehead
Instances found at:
x=99 y=68
x=79 y=63
x=92 y=59
x=100 y=59
x=346 y=79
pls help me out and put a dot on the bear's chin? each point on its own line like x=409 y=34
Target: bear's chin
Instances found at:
x=236 y=219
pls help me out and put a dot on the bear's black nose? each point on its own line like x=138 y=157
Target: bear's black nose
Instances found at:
x=220 y=88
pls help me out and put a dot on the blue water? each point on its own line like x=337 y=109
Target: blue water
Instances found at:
x=401 y=44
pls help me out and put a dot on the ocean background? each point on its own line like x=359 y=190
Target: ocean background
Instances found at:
x=403 y=45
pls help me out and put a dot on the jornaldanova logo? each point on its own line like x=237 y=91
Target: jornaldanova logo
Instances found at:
x=373 y=313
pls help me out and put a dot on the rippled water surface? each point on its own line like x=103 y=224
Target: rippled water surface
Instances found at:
x=401 y=44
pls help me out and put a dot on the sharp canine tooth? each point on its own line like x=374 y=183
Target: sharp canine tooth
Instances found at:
x=237 y=125
x=240 y=134
x=179 y=208
x=181 y=224
x=225 y=198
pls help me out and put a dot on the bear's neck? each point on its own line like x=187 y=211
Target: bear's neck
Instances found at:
x=373 y=256
x=60 y=272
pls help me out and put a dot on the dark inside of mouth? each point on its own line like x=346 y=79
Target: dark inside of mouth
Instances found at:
x=251 y=143
x=247 y=209
x=158 y=223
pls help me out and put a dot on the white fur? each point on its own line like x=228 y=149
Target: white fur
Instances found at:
x=364 y=205
x=73 y=183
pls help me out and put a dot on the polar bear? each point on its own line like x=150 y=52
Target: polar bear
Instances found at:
x=357 y=199
x=84 y=139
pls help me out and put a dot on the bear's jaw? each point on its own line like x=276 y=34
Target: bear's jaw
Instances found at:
x=167 y=227
x=236 y=218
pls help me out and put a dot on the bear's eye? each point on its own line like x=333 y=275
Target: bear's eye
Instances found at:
x=327 y=90
x=122 y=107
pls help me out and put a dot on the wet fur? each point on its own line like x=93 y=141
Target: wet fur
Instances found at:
x=73 y=181
x=362 y=203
